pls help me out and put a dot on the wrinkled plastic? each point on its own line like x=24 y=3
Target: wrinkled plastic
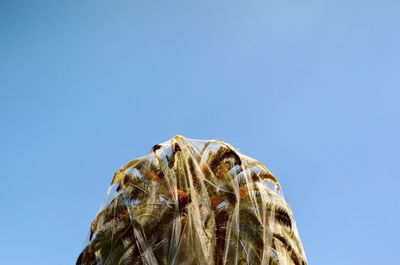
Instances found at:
x=194 y=202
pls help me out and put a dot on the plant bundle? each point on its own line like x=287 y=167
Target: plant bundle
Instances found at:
x=194 y=202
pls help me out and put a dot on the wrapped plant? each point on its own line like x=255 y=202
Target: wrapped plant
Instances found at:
x=194 y=202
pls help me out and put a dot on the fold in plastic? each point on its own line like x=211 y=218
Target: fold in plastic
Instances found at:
x=194 y=202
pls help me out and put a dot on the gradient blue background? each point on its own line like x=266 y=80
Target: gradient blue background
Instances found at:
x=310 y=88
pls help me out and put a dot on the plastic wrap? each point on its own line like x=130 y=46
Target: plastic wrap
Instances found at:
x=193 y=202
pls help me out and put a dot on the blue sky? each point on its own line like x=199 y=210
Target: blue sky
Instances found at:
x=310 y=88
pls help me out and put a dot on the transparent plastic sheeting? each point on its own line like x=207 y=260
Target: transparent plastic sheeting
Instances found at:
x=193 y=202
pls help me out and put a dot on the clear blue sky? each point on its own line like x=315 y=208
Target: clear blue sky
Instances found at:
x=310 y=88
